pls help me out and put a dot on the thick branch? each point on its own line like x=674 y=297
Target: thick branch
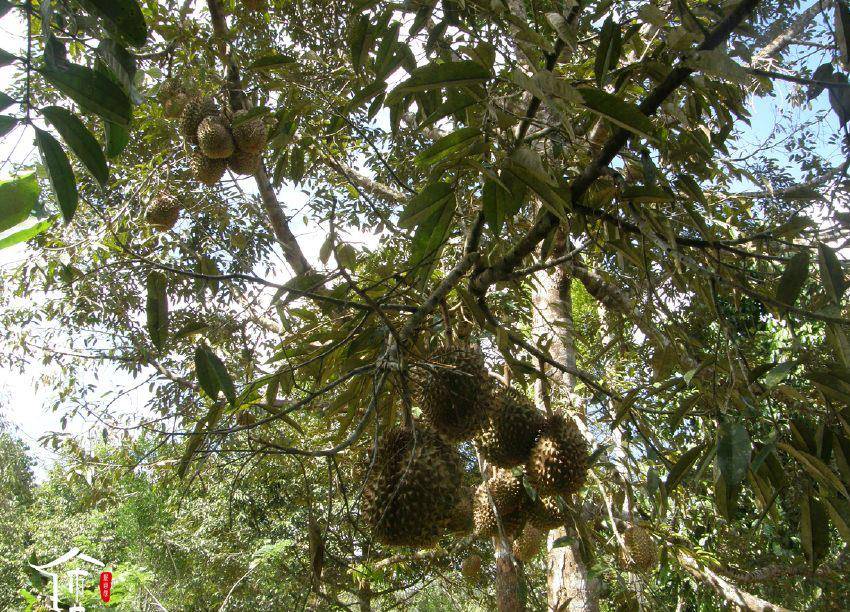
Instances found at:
x=786 y=37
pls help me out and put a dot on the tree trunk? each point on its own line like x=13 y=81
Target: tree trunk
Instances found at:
x=569 y=588
x=364 y=597
x=509 y=587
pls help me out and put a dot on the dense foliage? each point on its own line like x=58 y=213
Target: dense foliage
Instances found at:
x=581 y=190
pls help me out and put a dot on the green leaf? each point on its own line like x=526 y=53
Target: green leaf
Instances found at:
x=7 y=124
x=357 y=42
x=814 y=530
x=17 y=198
x=733 y=452
x=831 y=273
x=6 y=101
x=817 y=469
x=156 y=309
x=346 y=256
x=119 y=65
x=60 y=172
x=269 y=62
x=5 y=6
x=423 y=205
x=196 y=439
x=430 y=236
x=617 y=111
x=80 y=140
x=117 y=138
x=644 y=194
x=212 y=374
x=554 y=201
x=793 y=278
x=124 y=17
x=608 y=52
x=93 y=91
x=25 y=234
x=838 y=519
x=435 y=76
x=445 y=146
x=6 y=58
x=501 y=200
x=681 y=467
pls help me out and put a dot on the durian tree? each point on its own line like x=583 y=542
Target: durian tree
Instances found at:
x=489 y=272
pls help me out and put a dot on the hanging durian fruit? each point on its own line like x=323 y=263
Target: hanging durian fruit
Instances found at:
x=250 y=136
x=460 y=521
x=412 y=489
x=506 y=492
x=513 y=427
x=640 y=552
x=173 y=97
x=529 y=543
x=207 y=171
x=214 y=139
x=163 y=211
x=545 y=513
x=244 y=163
x=453 y=391
x=559 y=459
x=470 y=569
x=197 y=109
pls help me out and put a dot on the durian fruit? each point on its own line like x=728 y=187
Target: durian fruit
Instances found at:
x=460 y=520
x=513 y=427
x=545 y=513
x=163 y=212
x=470 y=569
x=196 y=110
x=640 y=552
x=173 y=98
x=510 y=500
x=207 y=171
x=412 y=489
x=559 y=458
x=244 y=163
x=453 y=391
x=214 y=138
x=251 y=135
x=529 y=543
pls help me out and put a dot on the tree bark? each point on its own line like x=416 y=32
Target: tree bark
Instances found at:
x=569 y=587
x=364 y=597
x=509 y=588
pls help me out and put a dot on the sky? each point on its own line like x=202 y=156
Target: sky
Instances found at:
x=25 y=399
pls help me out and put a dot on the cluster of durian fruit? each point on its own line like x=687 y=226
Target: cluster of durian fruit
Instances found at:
x=414 y=492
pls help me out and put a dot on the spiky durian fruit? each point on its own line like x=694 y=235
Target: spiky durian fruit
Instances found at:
x=173 y=97
x=214 y=138
x=163 y=211
x=506 y=492
x=640 y=552
x=513 y=427
x=244 y=162
x=460 y=520
x=207 y=171
x=470 y=569
x=545 y=513
x=453 y=390
x=412 y=488
x=196 y=110
x=558 y=461
x=529 y=543
x=249 y=135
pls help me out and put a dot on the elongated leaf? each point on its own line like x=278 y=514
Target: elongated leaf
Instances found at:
x=124 y=17
x=733 y=452
x=6 y=101
x=7 y=124
x=617 y=111
x=157 y=309
x=424 y=204
x=817 y=469
x=435 y=76
x=357 y=42
x=80 y=140
x=25 y=234
x=644 y=194
x=117 y=138
x=269 y=62
x=608 y=52
x=814 y=530
x=681 y=467
x=555 y=201
x=838 y=519
x=196 y=439
x=445 y=146
x=17 y=198
x=212 y=374
x=831 y=273
x=119 y=65
x=93 y=91
x=793 y=278
x=430 y=236
x=61 y=174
